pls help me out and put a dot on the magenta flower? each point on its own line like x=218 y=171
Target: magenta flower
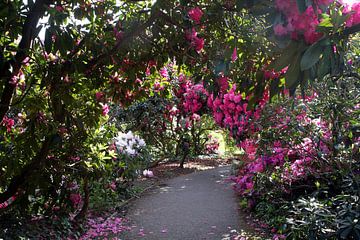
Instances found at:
x=75 y=198
x=354 y=11
x=105 y=109
x=99 y=95
x=195 y=14
x=8 y=123
x=234 y=55
x=198 y=43
x=164 y=73
x=195 y=41
x=280 y=30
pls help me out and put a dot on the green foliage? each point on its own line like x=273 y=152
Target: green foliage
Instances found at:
x=150 y=118
x=62 y=62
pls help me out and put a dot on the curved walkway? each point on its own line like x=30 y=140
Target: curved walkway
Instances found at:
x=197 y=206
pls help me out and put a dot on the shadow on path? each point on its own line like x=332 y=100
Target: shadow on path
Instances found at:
x=201 y=205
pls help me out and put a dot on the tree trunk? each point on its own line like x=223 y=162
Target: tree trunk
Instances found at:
x=18 y=182
x=28 y=34
x=81 y=215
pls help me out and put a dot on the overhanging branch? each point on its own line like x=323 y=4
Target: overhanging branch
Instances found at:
x=28 y=34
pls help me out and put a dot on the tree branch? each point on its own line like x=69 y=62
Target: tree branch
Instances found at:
x=18 y=182
x=124 y=42
x=28 y=34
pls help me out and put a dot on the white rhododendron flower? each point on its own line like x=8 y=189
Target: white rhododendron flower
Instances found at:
x=129 y=143
x=148 y=173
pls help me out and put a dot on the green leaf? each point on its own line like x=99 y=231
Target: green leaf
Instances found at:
x=287 y=56
x=324 y=66
x=48 y=40
x=292 y=75
x=326 y=23
x=312 y=55
x=340 y=19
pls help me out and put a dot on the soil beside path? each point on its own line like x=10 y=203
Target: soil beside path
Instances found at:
x=200 y=205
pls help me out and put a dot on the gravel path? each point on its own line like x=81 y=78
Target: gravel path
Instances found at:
x=196 y=206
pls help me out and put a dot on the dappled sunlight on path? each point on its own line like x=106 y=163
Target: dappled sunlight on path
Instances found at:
x=200 y=205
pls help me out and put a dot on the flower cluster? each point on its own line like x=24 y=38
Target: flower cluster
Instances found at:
x=191 y=103
x=148 y=173
x=195 y=41
x=305 y=23
x=295 y=160
x=272 y=74
x=298 y=23
x=195 y=14
x=230 y=110
x=75 y=199
x=191 y=35
x=353 y=9
x=212 y=145
x=128 y=143
x=195 y=98
x=7 y=202
x=105 y=109
x=8 y=123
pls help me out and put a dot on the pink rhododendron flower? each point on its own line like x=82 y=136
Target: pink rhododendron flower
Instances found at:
x=354 y=11
x=59 y=8
x=223 y=83
x=195 y=98
x=8 y=202
x=75 y=198
x=105 y=110
x=112 y=185
x=218 y=117
x=195 y=117
x=280 y=30
x=257 y=167
x=234 y=55
x=297 y=23
x=8 y=123
x=195 y=14
x=164 y=73
x=72 y=186
x=196 y=42
x=99 y=96
x=148 y=173
x=74 y=158
x=157 y=87
x=249 y=185
x=279 y=237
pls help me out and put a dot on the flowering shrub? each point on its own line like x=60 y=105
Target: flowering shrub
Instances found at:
x=129 y=144
x=59 y=85
x=230 y=110
x=131 y=156
x=303 y=20
x=212 y=145
x=299 y=151
x=164 y=122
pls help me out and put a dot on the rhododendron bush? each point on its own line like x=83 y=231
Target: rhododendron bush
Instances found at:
x=166 y=122
x=311 y=149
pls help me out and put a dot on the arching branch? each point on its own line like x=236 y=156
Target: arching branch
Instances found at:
x=13 y=66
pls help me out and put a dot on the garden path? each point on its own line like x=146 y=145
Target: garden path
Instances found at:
x=201 y=205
